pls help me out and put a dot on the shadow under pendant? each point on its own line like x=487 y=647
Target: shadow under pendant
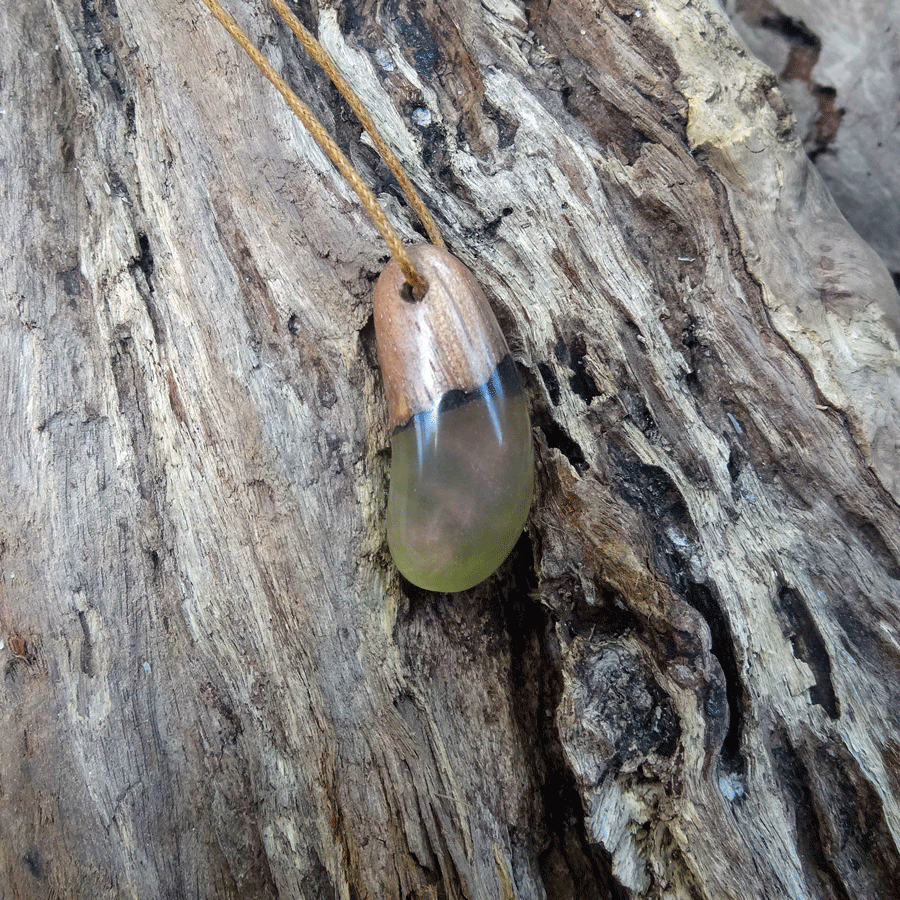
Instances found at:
x=462 y=463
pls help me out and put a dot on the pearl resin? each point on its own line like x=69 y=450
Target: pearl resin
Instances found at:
x=462 y=465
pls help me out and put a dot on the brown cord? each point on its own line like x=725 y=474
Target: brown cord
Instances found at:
x=328 y=145
x=320 y=55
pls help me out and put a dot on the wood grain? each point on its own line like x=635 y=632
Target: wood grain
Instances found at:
x=684 y=681
x=448 y=340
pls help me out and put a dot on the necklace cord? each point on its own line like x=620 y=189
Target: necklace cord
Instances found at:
x=320 y=55
x=328 y=145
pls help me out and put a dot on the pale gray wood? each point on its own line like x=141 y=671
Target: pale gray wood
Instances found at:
x=839 y=68
x=683 y=683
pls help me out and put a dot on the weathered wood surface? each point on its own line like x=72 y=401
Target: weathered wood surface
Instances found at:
x=685 y=681
x=839 y=67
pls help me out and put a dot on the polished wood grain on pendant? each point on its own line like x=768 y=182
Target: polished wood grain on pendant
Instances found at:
x=462 y=464
x=448 y=340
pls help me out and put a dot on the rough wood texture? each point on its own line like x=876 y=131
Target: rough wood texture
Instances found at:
x=683 y=683
x=839 y=67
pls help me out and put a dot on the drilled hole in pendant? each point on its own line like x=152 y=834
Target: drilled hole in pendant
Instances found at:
x=410 y=295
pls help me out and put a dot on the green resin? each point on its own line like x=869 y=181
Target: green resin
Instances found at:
x=462 y=478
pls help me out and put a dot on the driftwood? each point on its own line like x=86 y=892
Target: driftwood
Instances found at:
x=838 y=65
x=684 y=682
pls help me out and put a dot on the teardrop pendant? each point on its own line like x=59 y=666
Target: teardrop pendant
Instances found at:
x=462 y=464
x=462 y=471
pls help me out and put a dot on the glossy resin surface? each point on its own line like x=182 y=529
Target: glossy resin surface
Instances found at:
x=462 y=461
x=461 y=485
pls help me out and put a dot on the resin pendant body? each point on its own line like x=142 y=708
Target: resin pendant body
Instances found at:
x=462 y=466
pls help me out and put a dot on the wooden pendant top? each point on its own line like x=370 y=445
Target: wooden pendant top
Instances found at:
x=448 y=340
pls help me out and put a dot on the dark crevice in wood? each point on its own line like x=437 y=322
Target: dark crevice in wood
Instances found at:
x=368 y=345
x=843 y=838
x=650 y=490
x=799 y=627
x=490 y=230
x=550 y=382
x=698 y=353
x=854 y=830
x=435 y=154
x=608 y=617
x=106 y=63
x=722 y=704
x=571 y=867
x=506 y=125
x=581 y=381
x=130 y=118
x=862 y=636
x=92 y=25
x=354 y=18
x=141 y=267
x=793 y=775
x=735 y=464
x=143 y=261
x=559 y=439
x=731 y=712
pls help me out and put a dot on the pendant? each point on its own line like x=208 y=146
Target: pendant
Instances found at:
x=462 y=463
